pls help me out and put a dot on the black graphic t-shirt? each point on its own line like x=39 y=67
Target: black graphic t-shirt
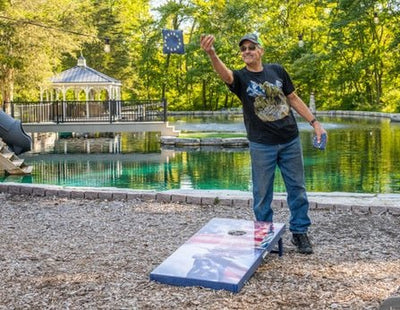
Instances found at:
x=267 y=115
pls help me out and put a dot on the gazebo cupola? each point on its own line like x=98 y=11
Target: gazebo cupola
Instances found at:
x=81 y=61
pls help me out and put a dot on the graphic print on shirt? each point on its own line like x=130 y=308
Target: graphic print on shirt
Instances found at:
x=270 y=102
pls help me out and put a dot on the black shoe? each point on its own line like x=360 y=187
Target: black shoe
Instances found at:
x=302 y=243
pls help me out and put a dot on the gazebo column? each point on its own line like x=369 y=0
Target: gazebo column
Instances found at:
x=118 y=98
x=64 y=105
x=113 y=96
x=87 y=91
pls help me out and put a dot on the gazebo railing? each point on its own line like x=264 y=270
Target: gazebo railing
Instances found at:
x=89 y=111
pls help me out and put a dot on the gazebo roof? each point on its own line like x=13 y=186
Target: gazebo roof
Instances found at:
x=82 y=74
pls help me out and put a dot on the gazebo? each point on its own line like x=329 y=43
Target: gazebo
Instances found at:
x=79 y=80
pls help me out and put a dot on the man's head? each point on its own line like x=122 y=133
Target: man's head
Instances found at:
x=253 y=38
x=252 y=51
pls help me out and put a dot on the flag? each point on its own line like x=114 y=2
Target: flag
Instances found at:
x=173 y=41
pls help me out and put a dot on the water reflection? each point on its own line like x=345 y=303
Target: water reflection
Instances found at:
x=362 y=156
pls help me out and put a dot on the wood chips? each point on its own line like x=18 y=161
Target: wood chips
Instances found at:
x=91 y=254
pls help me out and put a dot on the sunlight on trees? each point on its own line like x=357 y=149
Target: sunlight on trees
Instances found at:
x=350 y=58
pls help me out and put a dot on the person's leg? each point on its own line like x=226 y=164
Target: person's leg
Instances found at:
x=290 y=162
x=263 y=164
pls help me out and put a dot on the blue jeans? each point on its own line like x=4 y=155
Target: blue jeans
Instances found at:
x=289 y=158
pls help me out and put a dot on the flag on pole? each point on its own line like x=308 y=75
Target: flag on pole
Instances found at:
x=173 y=42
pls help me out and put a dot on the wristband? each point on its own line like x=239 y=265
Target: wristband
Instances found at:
x=313 y=121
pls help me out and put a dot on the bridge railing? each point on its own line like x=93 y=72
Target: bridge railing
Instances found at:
x=89 y=111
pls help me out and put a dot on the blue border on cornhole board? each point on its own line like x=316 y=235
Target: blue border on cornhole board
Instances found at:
x=233 y=287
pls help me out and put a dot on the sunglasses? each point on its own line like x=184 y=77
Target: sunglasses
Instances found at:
x=251 y=47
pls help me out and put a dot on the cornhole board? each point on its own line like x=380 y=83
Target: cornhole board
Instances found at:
x=223 y=254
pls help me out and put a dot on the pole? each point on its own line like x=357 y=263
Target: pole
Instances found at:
x=165 y=109
x=312 y=103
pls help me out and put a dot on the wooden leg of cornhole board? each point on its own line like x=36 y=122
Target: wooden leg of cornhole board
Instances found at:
x=223 y=254
x=280 y=247
x=279 y=250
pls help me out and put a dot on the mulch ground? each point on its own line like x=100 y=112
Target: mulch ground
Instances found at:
x=93 y=254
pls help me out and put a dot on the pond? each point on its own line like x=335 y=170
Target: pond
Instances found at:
x=362 y=156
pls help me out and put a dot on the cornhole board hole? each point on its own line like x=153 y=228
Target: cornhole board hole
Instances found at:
x=223 y=254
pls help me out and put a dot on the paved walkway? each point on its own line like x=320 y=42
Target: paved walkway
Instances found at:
x=337 y=201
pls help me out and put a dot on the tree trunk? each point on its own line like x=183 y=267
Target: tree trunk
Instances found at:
x=204 y=97
x=7 y=89
x=216 y=103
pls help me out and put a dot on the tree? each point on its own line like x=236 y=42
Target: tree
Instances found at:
x=349 y=59
x=126 y=24
x=359 y=51
x=32 y=42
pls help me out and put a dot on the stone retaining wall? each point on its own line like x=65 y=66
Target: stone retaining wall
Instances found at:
x=224 y=142
x=243 y=142
x=392 y=116
x=238 y=111
x=345 y=202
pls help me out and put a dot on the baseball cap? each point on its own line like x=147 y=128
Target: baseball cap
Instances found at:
x=252 y=37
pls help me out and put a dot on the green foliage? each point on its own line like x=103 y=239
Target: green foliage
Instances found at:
x=35 y=34
x=3 y=4
x=391 y=100
x=348 y=60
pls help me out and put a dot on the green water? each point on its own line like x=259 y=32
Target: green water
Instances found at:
x=363 y=156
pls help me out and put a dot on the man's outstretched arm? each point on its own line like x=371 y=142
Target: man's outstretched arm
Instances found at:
x=207 y=44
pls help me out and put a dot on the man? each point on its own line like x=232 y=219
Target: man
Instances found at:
x=267 y=95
